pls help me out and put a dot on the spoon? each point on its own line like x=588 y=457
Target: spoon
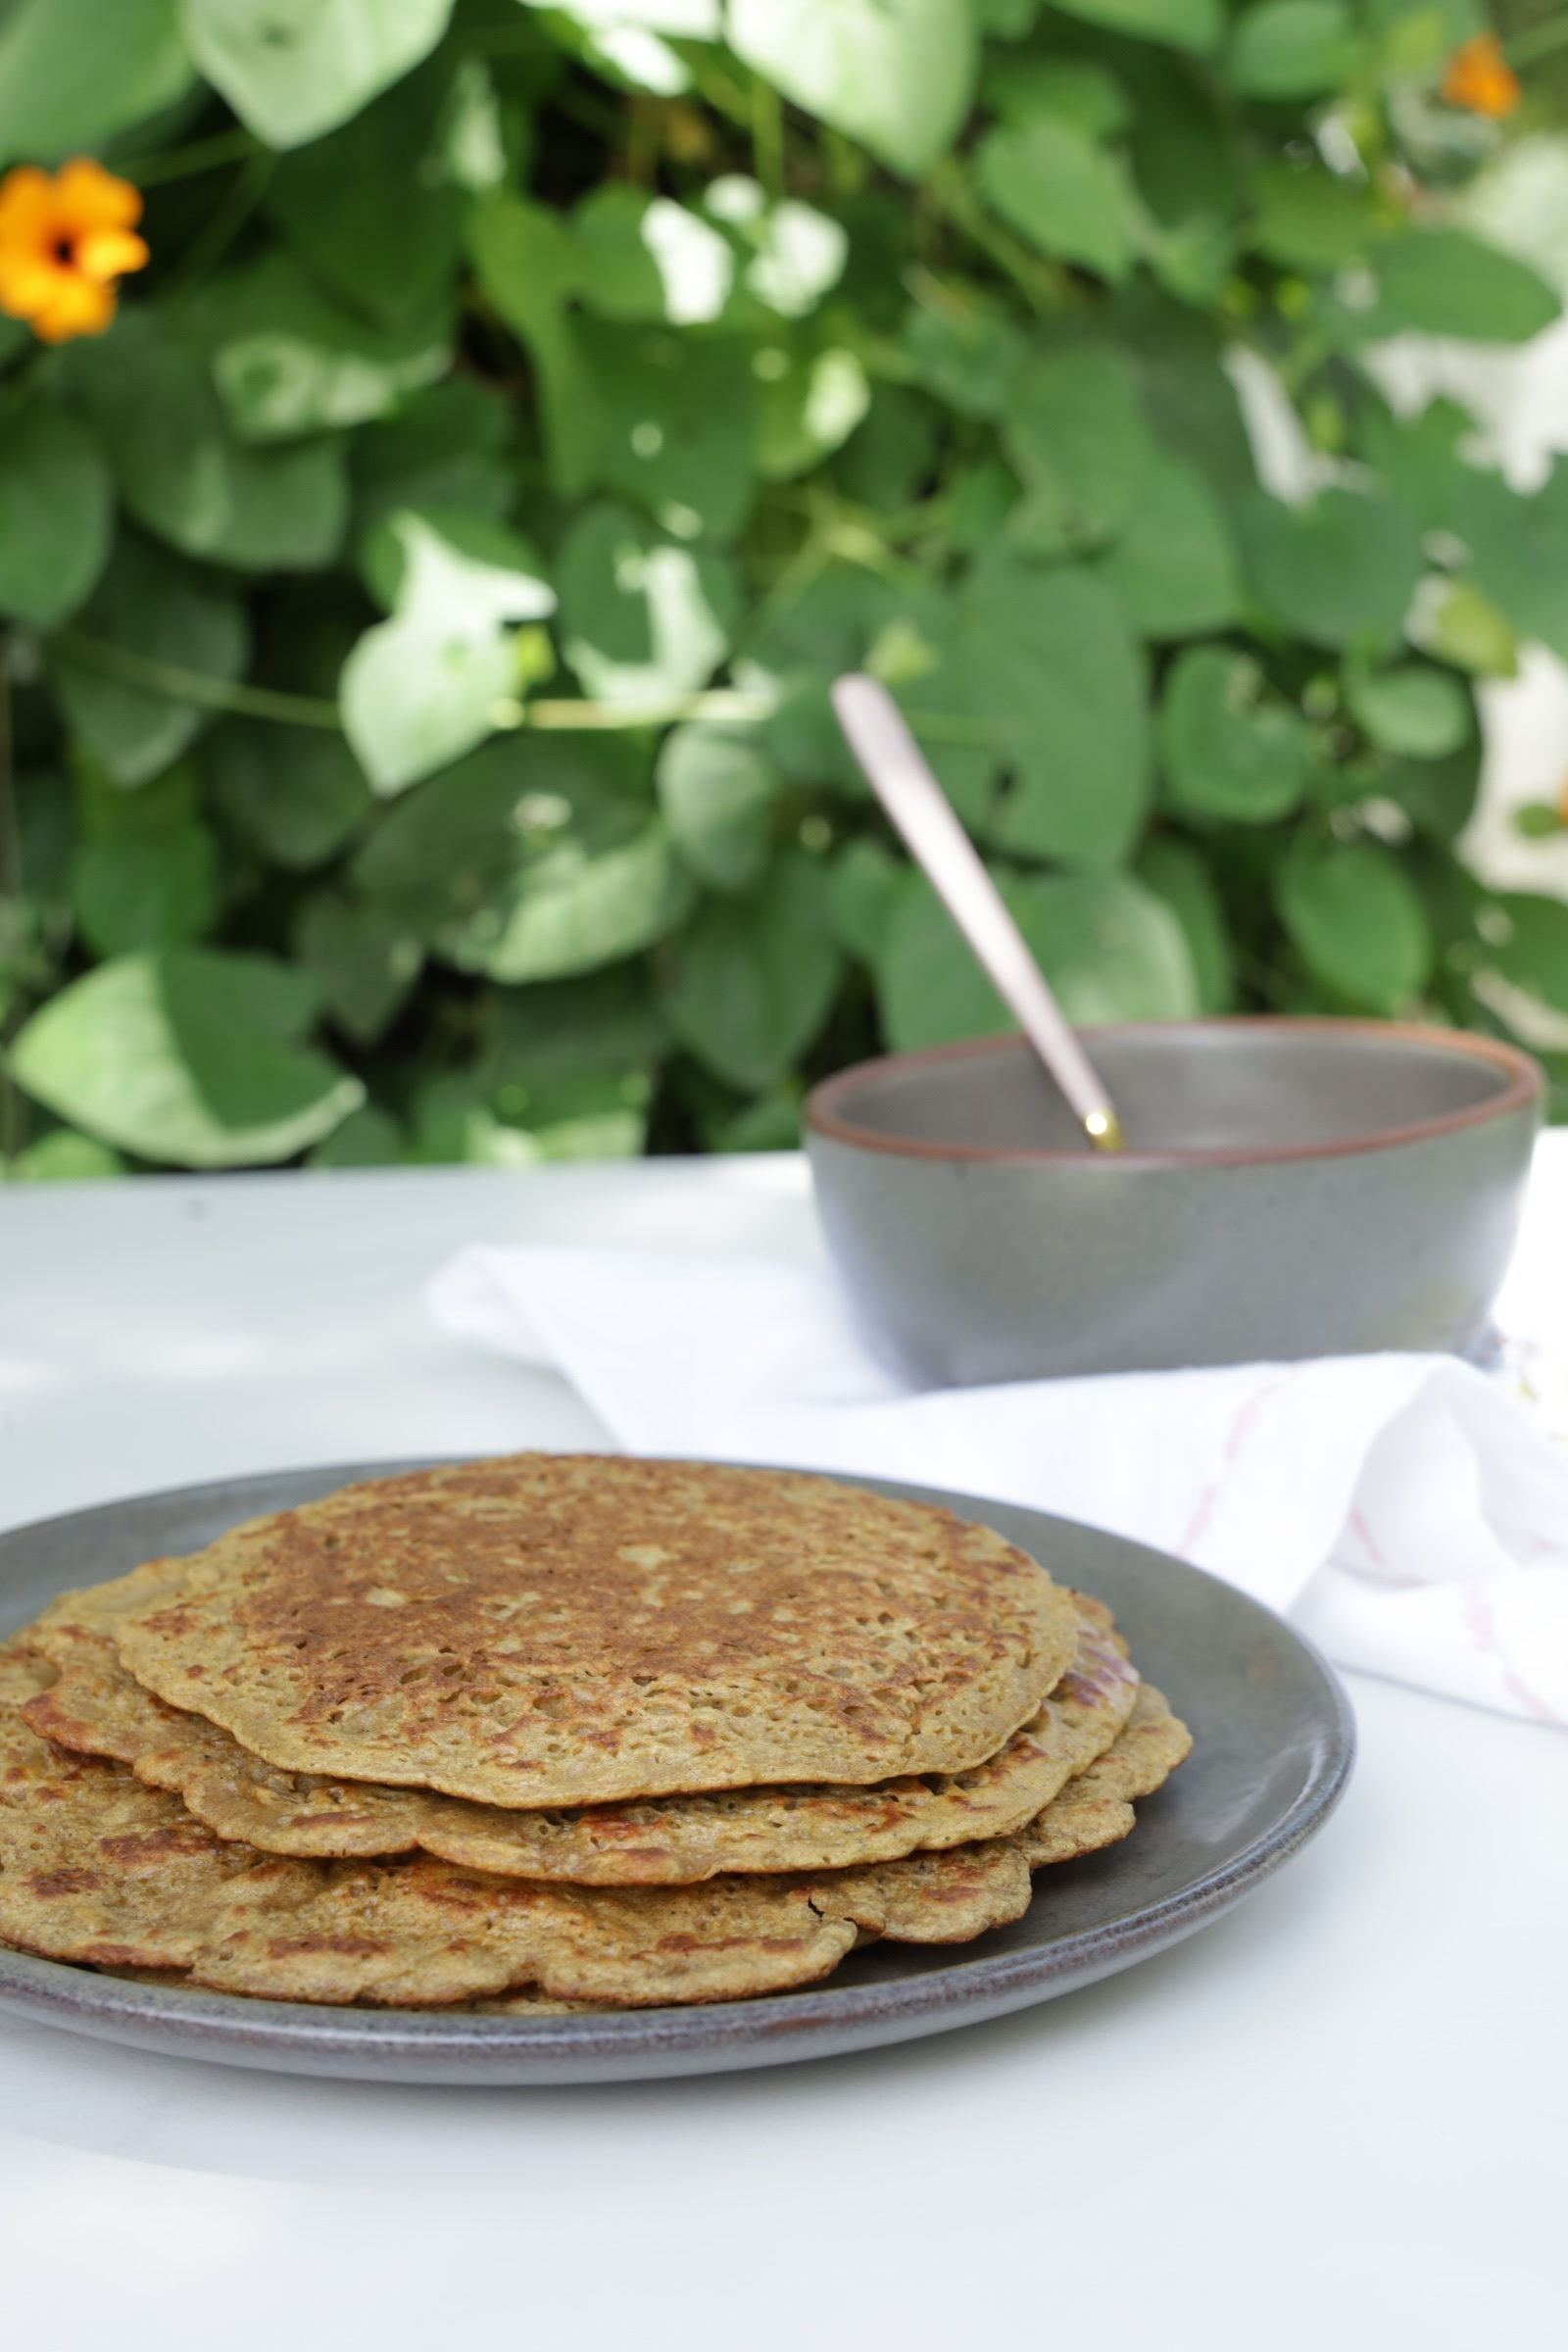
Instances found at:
x=899 y=775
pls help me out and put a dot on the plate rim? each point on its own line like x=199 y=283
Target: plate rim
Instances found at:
x=616 y=2045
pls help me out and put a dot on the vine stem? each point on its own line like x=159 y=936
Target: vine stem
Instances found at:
x=722 y=704
x=767 y=135
x=314 y=710
x=1045 y=285
x=184 y=162
x=207 y=248
x=194 y=686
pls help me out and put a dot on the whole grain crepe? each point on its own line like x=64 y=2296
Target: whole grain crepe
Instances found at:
x=96 y=1867
x=96 y=1708
x=561 y=1630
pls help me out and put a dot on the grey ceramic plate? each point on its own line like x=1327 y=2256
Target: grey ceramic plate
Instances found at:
x=1275 y=1741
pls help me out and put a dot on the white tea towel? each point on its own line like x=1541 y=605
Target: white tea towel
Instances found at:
x=1400 y=1509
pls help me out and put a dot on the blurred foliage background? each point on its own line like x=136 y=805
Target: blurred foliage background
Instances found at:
x=420 y=602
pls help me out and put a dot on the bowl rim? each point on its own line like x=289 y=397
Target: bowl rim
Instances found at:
x=1523 y=1090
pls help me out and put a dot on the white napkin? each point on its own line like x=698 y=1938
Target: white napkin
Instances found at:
x=1400 y=1509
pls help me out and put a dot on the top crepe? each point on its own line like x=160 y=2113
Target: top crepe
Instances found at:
x=555 y=1630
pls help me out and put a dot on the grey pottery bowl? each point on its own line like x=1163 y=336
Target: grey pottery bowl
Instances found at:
x=1290 y=1189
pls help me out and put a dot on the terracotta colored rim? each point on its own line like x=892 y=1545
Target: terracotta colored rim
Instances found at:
x=1522 y=1090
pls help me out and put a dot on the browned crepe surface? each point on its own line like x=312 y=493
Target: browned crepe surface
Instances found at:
x=92 y=1865
x=549 y=1630
x=1094 y=1809
x=96 y=1708
x=96 y=1867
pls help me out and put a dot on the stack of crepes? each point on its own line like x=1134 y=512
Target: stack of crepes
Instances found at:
x=554 y=1731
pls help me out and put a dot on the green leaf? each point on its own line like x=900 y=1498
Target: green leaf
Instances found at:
x=287 y=361
x=1418 y=456
x=890 y=456
x=605 y=1023
x=1519 y=552
x=530 y=861
x=770 y=1123
x=184 y=478
x=148 y=891
x=192 y=1057
x=1073 y=429
x=1194 y=258
x=73 y=73
x=1533 y=955
x=834 y=622
x=1338 y=571
x=864 y=885
x=754 y=976
x=62 y=1156
x=1183 y=23
x=964 y=353
x=1110 y=949
x=1357 y=922
x=1060 y=188
x=677 y=415
x=455 y=844
x=1438 y=796
x=56 y=509
x=799 y=256
x=45 y=835
x=1227 y=752
x=383 y=561
x=336 y=197
x=620 y=38
x=576 y=1117
x=895 y=74
x=717 y=791
x=446 y=448
x=809 y=408
x=292 y=69
x=1187 y=395
x=425 y=687
x=1180 y=145
x=294 y=794
x=1423 y=713
x=1439 y=281
x=645 y=618
x=614 y=268
x=576 y=908
x=1309 y=219
x=1078 y=90
x=644 y=258
x=1464 y=627
x=454 y=1124
x=368 y=1138
x=1174 y=567
x=1047 y=659
x=526 y=266
x=159 y=610
x=363 y=963
x=145 y=872
x=1175 y=872
x=1292 y=49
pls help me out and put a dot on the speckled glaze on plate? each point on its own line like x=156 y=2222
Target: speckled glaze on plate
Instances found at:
x=1275 y=1743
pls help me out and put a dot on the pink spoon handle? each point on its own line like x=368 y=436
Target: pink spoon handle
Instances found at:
x=897 y=770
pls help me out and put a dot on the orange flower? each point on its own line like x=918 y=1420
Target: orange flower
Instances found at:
x=64 y=239
x=1479 y=77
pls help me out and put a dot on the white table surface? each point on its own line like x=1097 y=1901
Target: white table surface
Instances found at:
x=1333 y=2119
